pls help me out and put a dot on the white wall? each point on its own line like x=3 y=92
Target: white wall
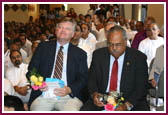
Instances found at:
x=79 y=8
x=157 y=11
x=128 y=11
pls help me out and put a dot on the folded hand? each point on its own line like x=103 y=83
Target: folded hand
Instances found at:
x=62 y=91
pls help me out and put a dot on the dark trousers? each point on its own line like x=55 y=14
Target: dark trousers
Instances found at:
x=90 y=106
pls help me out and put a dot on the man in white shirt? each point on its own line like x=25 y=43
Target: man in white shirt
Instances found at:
x=87 y=42
x=106 y=28
x=26 y=44
x=7 y=60
x=151 y=43
x=17 y=76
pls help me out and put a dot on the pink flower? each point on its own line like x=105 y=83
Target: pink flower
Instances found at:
x=43 y=85
x=35 y=87
x=109 y=107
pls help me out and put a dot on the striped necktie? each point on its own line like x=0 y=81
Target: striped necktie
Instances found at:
x=59 y=64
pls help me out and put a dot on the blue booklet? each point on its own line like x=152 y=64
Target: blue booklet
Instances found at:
x=156 y=77
x=52 y=83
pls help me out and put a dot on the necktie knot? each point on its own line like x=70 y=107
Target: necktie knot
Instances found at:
x=61 y=47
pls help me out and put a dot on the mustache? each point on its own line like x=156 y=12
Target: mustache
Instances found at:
x=17 y=62
x=114 y=51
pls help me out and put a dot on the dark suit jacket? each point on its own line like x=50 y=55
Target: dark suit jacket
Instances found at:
x=134 y=76
x=77 y=70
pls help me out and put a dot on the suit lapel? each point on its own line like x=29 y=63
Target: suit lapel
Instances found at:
x=106 y=67
x=69 y=60
x=51 y=57
x=126 y=64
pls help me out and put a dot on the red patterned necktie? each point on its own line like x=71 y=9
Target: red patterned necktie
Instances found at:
x=114 y=76
x=59 y=64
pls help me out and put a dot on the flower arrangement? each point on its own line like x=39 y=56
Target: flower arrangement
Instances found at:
x=36 y=80
x=112 y=101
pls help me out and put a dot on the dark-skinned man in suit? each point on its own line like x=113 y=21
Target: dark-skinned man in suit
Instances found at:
x=131 y=78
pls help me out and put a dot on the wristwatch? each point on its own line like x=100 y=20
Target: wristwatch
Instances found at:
x=129 y=107
x=28 y=87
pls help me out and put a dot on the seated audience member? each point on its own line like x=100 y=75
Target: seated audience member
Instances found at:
x=71 y=13
x=107 y=27
x=158 y=64
x=13 y=103
x=131 y=32
x=43 y=37
x=118 y=68
x=18 y=43
x=52 y=56
x=148 y=21
x=26 y=44
x=34 y=46
x=7 y=59
x=141 y=35
x=77 y=36
x=17 y=76
x=87 y=42
x=149 y=45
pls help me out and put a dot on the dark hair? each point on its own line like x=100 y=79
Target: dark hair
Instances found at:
x=11 y=52
x=140 y=23
x=88 y=15
x=17 y=40
x=118 y=29
x=22 y=34
x=15 y=102
x=84 y=23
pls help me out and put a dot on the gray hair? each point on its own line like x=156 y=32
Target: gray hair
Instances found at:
x=108 y=23
x=117 y=29
x=68 y=19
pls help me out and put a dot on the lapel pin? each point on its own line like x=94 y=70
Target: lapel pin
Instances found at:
x=128 y=63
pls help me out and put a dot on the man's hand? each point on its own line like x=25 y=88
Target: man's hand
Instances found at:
x=21 y=90
x=153 y=82
x=45 y=88
x=122 y=107
x=96 y=99
x=62 y=91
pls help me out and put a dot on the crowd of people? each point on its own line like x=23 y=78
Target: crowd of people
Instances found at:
x=91 y=45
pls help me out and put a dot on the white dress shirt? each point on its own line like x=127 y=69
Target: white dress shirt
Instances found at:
x=88 y=45
x=64 y=71
x=17 y=76
x=8 y=87
x=27 y=47
x=7 y=60
x=149 y=47
x=120 y=67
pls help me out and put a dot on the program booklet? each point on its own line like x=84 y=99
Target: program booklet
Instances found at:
x=52 y=83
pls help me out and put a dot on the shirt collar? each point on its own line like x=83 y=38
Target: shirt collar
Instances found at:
x=65 y=46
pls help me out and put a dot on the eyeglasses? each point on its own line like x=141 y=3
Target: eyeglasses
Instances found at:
x=15 y=57
x=116 y=45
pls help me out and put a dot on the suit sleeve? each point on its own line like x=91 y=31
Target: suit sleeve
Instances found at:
x=35 y=61
x=92 y=80
x=141 y=81
x=81 y=75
